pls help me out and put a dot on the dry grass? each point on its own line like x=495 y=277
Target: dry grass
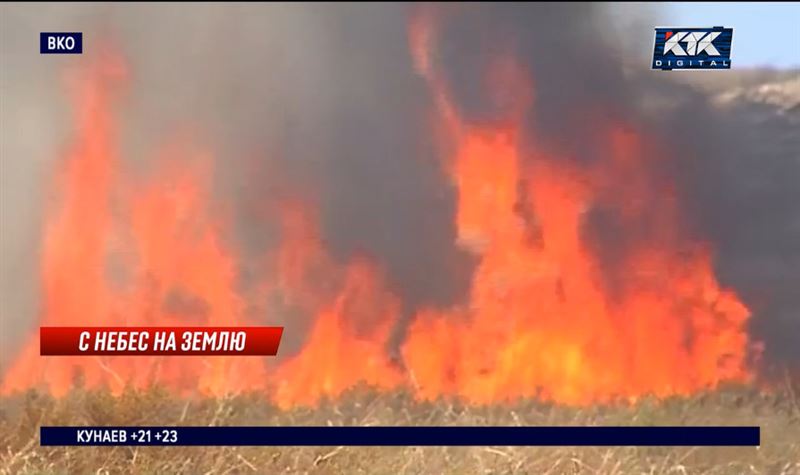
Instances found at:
x=777 y=413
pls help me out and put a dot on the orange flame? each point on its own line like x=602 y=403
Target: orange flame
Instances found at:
x=540 y=320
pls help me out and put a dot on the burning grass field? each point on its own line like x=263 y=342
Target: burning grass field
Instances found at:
x=575 y=213
x=776 y=412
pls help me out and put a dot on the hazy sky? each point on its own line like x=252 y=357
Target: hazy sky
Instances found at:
x=764 y=34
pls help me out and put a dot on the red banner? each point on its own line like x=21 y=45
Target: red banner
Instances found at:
x=245 y=341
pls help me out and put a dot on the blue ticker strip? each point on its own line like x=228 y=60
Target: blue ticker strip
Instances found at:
x=403 y=436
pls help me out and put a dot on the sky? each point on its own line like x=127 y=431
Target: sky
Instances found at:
x=764 y=34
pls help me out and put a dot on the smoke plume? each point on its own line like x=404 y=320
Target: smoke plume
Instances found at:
x=323 y=101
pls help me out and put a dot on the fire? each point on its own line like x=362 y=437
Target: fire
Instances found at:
x=544 y=316
x=354 y=315
x=541 y=320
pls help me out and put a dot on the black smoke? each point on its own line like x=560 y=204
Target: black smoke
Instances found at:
x=323 y=99
x=735 y=169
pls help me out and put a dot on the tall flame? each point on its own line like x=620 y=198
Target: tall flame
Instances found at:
x=541 y=319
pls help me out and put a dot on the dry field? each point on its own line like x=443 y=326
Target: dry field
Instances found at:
x=777 y=412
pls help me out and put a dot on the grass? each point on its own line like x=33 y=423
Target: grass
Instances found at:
x=776 y=412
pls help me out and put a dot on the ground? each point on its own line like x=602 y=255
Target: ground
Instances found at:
x=776 y=411
x=771 y=104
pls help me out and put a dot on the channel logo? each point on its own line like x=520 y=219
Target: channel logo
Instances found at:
x=60 y=43
x=692 y=48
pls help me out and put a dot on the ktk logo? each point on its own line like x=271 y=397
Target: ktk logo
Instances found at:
x=696 y=43
x=692 y=48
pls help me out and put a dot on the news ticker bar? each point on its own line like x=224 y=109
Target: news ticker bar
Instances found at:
x=402 y=436
x=144 y=341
